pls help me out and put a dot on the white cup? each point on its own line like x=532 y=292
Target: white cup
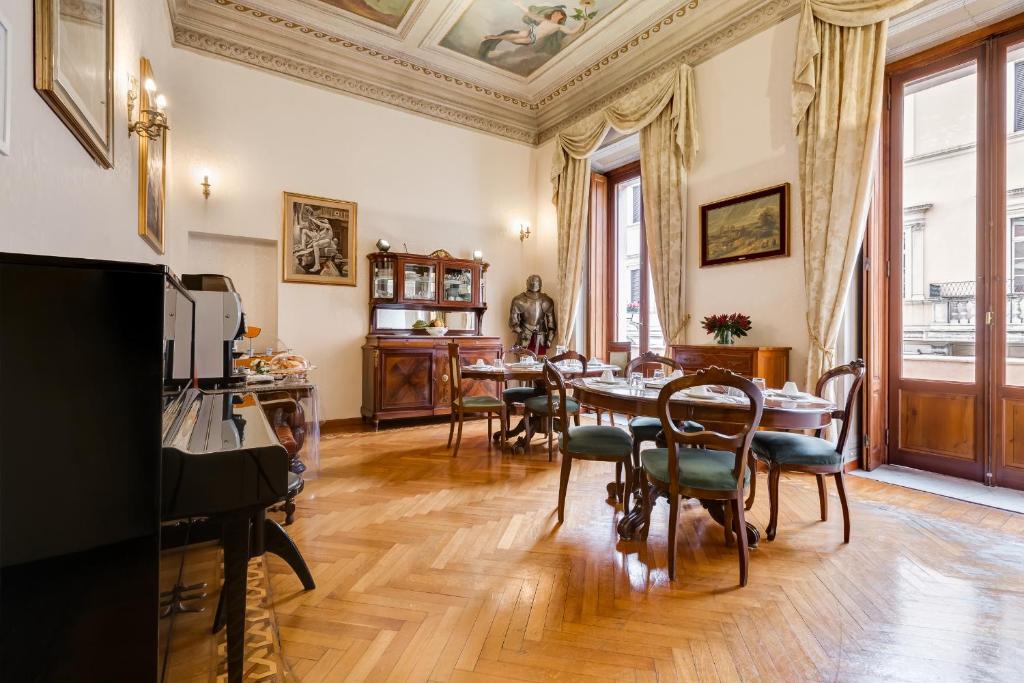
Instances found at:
x=480 y=361
x=790 y=388
x=700 y=390
x=607 y=376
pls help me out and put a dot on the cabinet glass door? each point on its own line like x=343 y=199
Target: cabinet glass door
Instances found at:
x=458 y=284
x=384 y=279
x=420 y=282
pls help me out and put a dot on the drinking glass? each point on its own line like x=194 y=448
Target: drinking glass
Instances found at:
x=759 y=383
x=559 y=350
x=659 y=375
x=499 y=363
x=636 y=381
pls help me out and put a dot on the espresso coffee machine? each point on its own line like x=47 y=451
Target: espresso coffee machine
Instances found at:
x=220 y=320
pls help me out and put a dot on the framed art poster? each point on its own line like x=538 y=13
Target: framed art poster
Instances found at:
x=74 y=69
x=746 y=227
x=319 y=240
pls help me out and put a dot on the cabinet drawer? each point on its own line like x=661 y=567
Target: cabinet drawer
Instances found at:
x=739 y=361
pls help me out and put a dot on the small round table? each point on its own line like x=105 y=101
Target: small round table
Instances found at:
x=532 y=373
x=623 y=399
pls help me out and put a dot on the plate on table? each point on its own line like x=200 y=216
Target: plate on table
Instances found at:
x=614 y=381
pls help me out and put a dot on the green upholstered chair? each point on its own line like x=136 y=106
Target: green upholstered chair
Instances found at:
x=546 y=406
x=473 y=405
x=517 y=395
x=714 y=467
x=591 y=442
x=793 y=452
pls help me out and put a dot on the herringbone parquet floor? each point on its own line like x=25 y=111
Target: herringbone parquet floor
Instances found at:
x=438 y=569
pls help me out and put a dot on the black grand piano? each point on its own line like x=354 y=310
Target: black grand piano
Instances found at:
x=105 y=458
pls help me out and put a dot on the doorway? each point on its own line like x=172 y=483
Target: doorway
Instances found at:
x=955 y=176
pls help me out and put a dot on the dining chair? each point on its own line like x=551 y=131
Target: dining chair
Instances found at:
x=714 y=467
x=517 y=395
x=546 y=404
x=794 y=452
x=589 y=442
x=473 y=405
x=619 y=354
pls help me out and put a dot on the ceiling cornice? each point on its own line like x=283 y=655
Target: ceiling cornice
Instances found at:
x=281 y=45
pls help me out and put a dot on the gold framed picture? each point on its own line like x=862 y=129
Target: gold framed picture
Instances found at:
x=152 y=174
x=74 y=69
x=750 y=226
x=318 y=240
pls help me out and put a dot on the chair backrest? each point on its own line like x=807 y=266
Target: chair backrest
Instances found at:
x=644 y=361
x=856 y=370
x=454 y=372
x=517 y=353
x=619 y=354
x=570 y=355
x=739 y=442
x=555 y=384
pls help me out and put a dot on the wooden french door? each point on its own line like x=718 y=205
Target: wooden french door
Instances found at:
x=956 y=262
x=630 y=295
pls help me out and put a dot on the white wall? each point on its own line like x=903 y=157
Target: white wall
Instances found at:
x=747 y=143
x=429 y=184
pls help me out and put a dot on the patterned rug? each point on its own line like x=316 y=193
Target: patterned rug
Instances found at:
x=263 y=659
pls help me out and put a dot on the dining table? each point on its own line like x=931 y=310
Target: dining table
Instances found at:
x=526 y=372
x=716 y=411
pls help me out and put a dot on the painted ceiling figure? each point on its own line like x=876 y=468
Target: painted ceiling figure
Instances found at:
x=532 y=317
x=545 y=30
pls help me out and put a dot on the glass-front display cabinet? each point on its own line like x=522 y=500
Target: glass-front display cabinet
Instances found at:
x=410 y=292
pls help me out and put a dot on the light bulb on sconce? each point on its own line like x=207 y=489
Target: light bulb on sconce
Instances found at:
x=152 y=120
x=478 y=255
x=524 y=232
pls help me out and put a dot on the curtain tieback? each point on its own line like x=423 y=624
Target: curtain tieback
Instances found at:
x=828 y=353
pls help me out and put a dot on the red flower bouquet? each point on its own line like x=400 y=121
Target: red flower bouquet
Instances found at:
x=726 y=326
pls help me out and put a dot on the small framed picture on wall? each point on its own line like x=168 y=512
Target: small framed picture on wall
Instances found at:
x=746 y=227
x=319 y=240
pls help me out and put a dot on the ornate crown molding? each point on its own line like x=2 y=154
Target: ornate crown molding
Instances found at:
x=335 y=80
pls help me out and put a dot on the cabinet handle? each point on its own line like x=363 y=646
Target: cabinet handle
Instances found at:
x=444 y=378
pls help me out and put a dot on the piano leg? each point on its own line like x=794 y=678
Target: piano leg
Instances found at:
x=276 y=540
x=236 y=562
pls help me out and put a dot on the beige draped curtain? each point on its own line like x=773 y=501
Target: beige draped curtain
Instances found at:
x=837 y=109
x=663 y=112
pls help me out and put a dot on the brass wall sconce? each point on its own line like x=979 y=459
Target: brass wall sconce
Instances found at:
x=524 y=232
x=206 y=186
x=152 y=120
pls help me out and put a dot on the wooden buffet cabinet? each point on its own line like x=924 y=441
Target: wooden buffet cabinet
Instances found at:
x=769 y=362
x=405 y=371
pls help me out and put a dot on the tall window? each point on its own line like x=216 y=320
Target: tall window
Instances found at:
x=634 y=316
x=1017 y=121
x=1016 y=254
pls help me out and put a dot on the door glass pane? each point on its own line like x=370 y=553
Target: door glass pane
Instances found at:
x=420 y=282
x=458 y=284
x=939 y=234
x=628 y=294
x=1015 y=216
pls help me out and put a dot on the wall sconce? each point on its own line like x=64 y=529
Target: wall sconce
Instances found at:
x=524 y=232
x=206 y=185
x=152 y=120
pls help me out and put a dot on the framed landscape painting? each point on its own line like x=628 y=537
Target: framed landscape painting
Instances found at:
x=319 y=240
x=746 y=227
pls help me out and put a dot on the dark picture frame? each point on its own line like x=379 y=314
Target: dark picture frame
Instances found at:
x=746 y=227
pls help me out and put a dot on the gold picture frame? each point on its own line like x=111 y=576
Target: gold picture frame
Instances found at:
x=318 y=240
x=152 y=174
x=746 y=227
x=76 y=76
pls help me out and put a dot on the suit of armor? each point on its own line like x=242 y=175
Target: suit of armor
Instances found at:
x=532 y=317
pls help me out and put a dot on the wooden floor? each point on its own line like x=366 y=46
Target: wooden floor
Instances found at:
x=438 y=569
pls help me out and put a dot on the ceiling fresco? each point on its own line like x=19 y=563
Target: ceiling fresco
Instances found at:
x=521 y=38
x=387 y=12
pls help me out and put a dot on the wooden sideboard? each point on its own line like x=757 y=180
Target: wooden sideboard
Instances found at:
x=769 y=362
x=407 y=376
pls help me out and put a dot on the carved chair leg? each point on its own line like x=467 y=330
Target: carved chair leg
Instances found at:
x=752 y=464
x=551 y=429
x=598 y=411
x=741 y=536
x=527 y=432
x=458 y=437
x=504 y=427
x=647 y=499
x=451 y=428
x=627 y=490
x=673 y=518
x=618 y=480
x=576 y=417
x=490 y=430
x=822 y=497
x=774 y=473
x=841 y=488
x=563 y=485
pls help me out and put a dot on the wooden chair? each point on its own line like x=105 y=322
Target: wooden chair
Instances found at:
x=619 y=354
x=546 y=405
x=644 y=428
x=517 y=395
x=714 y=468
x=591 y=442
x=474 y=405
x=793 y=452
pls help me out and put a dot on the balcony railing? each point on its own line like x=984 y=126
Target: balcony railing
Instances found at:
x=954 y=303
